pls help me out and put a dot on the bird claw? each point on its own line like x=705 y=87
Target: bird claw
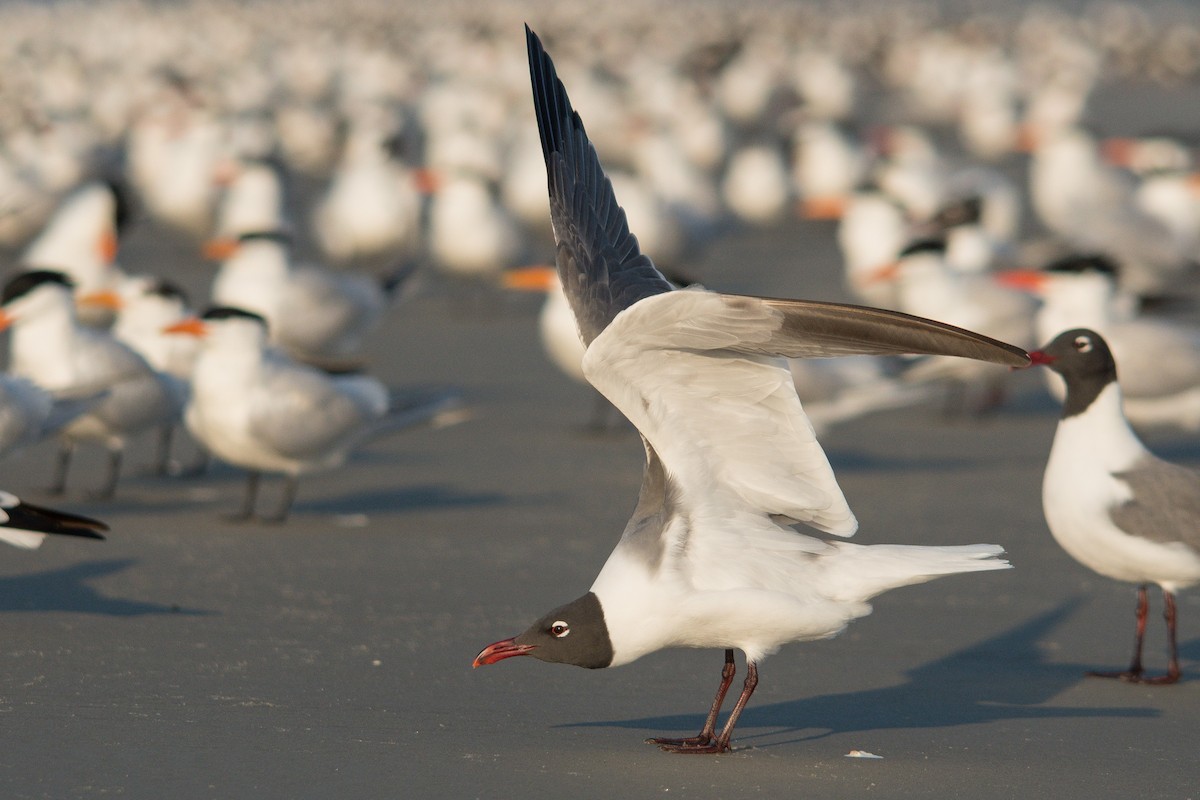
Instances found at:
x=711 y=747
x=702 y=744
x=1136 y=676
x=689 y=741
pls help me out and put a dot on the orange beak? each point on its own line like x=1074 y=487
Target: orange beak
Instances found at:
x=219 y=249
x=427 y=180
x=826 y=207
x=107 y=247
x=886 y=273
x=1027 y=138
x=530 y=279
x=192 y=326
x=1027 y=280
x=5 y=320
x=225 y=171
x=105 y=298
x=1117 y=151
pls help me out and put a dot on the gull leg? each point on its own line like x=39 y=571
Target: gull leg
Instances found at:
x=247 y=511
x=199 y=465
x=1134 y=673
x=162 y=451
x=721 y=743
x=709 y=731
x=1173 y=672
x=61 y=466
x=109 y=487
x=285 y=503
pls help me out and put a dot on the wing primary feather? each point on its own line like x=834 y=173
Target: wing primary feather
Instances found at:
x=815 y=329
x=602 y=269
x=26 y=516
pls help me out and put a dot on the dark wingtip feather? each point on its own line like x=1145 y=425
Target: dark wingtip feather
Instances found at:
x=603 y=270
x=557 y=119
x=28 y=517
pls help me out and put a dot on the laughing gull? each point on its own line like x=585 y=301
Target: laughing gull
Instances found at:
x=707 y=559
x=25 y=526
x=1081 y=291
x=1112 y=505
x=318 y=316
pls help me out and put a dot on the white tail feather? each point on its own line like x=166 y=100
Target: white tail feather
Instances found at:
x=859 y=572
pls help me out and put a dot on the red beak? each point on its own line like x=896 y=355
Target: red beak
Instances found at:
x=1037 y=357
x=500 y=651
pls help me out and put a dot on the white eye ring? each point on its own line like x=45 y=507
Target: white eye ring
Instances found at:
x=560 y=629
x=1083 y=344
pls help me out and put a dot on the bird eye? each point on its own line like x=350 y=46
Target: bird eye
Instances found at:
x=1083 y=344
x=560 y=629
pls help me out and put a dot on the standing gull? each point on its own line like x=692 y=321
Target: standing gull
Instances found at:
x=1113 y=506
x=707 y=559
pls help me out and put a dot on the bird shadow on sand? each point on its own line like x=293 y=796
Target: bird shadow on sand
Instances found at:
x=1004 y=677
x=67 y=589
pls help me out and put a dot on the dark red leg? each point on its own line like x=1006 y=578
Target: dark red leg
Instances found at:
x=721 y=743
x=1173 y=672
x=1134 y=673
x=709 y=731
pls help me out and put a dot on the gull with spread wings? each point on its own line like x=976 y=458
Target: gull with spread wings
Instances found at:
x=708 y=558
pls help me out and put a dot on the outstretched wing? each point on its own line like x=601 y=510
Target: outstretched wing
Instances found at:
x=602 y=270
x=814 y=329
x=697 y=372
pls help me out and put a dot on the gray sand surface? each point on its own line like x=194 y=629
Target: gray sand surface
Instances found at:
x=187 y=657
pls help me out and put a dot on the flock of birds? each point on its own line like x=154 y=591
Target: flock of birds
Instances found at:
x=408 y=123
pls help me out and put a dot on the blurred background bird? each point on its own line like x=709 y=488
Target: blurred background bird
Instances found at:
x=334 y=176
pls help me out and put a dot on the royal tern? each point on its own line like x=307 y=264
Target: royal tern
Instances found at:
x=1109 y=502
x=81 y=240
x=254 y=407
x=25 y=525
x=872 y=231
x=176 y=148
x=706 y=560
x=756 y=186
x=29 y=413
x=372 y=208
x=49 y=346
x=471 y=235
x=318 y=316
x=146 y=306
x=827 y=165
x=1093 y=207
